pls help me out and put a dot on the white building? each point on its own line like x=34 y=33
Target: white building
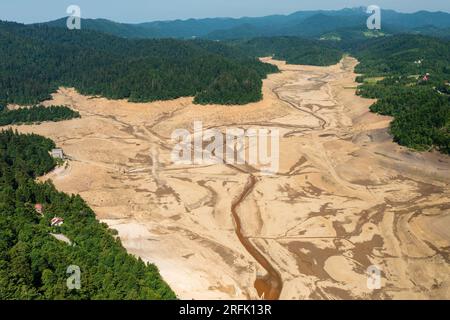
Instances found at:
x=57 y=222
x=57 y=153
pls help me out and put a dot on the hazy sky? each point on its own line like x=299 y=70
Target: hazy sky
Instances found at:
x=148 y=10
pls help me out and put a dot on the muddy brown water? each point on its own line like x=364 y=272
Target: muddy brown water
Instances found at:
x=268 y=287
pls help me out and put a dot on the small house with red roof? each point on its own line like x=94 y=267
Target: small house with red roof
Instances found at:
x=57 y=222
x=39 y=208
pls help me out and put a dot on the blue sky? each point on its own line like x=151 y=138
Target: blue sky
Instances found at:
x=149 y=10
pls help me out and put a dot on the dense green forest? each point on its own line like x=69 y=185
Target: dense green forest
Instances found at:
x=36 y=114
x=292 y=49
x=33 y=264
x=393 y=71
x=36 y=60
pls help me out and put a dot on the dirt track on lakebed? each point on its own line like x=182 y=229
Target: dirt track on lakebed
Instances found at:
x=345 y=198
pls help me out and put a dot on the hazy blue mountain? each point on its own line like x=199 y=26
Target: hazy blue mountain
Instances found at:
x=312 y=24
x=321 y=23
x=417 y=19
x=114 y=28
x=179 y=28
x=246 y=31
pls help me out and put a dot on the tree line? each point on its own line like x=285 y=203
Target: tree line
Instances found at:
x=36 y=60
x=293 y=50
x=36 y=114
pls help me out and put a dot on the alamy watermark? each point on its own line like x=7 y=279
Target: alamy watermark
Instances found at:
x=74 y=18
x=373 y=278
x=374 y=21
x=258 y=147
x=74 y=280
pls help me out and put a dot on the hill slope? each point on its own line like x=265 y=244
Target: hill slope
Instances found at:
x=33 y=264
x=419 y=103
x=294 y=50
x=35 y=60
x=303 y=23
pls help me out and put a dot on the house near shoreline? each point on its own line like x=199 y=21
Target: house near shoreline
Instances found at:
x=57 y=222
x=38 y=208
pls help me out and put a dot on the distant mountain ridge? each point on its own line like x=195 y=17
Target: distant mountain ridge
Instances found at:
x=311 y=24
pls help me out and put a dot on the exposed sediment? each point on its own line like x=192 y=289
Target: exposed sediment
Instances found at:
x=345 y=198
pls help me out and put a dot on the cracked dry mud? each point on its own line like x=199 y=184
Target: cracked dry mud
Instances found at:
x=346 y=197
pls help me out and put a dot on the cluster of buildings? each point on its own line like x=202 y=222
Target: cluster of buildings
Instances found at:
x=426 y=77
x=56 y=153
x=55 y=222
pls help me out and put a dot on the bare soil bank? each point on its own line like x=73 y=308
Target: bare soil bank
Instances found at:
x=346 y=197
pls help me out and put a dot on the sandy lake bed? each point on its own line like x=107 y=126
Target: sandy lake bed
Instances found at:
x=345 y=197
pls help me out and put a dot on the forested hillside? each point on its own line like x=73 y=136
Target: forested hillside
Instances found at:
x=33 y=263
x=311 y=24
x=409 y=75
x=294 y=50
x=36 y=60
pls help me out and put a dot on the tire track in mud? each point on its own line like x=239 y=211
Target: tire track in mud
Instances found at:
x=296 y=106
